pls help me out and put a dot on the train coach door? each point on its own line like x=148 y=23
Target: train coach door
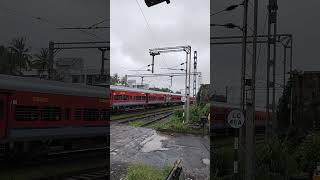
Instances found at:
x=3 y=115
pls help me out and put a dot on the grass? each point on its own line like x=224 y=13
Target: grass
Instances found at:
x=145 y=172
x=136 y=123
x=176 y=124
x=173 y=125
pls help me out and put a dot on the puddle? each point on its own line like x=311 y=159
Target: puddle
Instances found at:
x=206 y=161
x=153 y=143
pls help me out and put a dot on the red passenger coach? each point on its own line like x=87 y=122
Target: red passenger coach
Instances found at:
x=219 y=113
x=126 y=98
x=34 y=111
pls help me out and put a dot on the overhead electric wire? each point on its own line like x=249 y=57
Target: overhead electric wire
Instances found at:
x=149 y=28
x=44 y=20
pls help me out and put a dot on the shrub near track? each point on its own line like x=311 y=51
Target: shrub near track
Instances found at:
x=177 y=124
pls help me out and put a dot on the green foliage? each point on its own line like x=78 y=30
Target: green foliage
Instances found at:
x=203 y=94
x=145 y=172
x=115 y=79
x=178 y=113
x=308 y=153
x=283 y=109
x=41 y=61
x=16 y=57
x=274 y=160
x=20 y=53
x=175 y=124
x=222 y=164
x=198 y=111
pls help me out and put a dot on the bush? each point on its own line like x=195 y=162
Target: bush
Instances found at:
x=222 y=164
x=308 y=154
x=178 y=114
x=274 y=160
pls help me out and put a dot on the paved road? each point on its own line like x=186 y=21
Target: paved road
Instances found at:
x=131 y=144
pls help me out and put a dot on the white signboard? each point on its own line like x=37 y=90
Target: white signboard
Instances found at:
x=183 y=99
x=236 y=118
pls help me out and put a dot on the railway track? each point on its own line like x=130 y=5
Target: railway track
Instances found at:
x=148 y=119
x=116 y=118
x=89 y=164
x=53 y=157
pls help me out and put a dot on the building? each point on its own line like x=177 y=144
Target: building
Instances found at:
x=67 y=68
x=306 y=99
x=72 y=70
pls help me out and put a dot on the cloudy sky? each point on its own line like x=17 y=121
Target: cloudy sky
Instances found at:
x=165 y=25
x=294 y=16
x=19 y=18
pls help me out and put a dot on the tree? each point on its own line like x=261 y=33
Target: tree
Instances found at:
x=20 y=54
x=124 y=81
x=283 y=109
x=203 y=94
x=41 y=61
x=115 y=79
x=4 y=60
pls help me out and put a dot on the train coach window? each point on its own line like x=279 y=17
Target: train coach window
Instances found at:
x=1 y=109
x=26 y=113
x=104 y=114
x=78 y=114
x=51 y=113
x=90 y=114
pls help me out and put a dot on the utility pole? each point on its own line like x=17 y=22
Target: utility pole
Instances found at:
x=51 y=54
x=186 y=49
x=291 y=80
x=226 y=93
x=250 y=120
x=240 y=133
x=195 y=62
x=55 y=47
x=271 y=62
x=103 y=51
x=142 y=80
x=189 y=87
x=186 y=91
x=152 y=64
x=284 y=65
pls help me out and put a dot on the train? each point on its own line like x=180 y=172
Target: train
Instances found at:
x=219 y=111
x=38 y=115
x=127 y=99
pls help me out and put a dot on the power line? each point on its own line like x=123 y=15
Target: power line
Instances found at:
x=229 y=8
x=44 y=20
x=149 y=28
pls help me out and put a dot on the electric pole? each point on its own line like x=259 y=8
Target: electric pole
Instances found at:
x=51 y=54
x=195 y=62
x=250 y=120
x=186 y=49
x=240 y=133
x=271 y=62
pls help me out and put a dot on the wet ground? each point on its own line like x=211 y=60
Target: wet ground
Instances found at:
x=136 y=144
